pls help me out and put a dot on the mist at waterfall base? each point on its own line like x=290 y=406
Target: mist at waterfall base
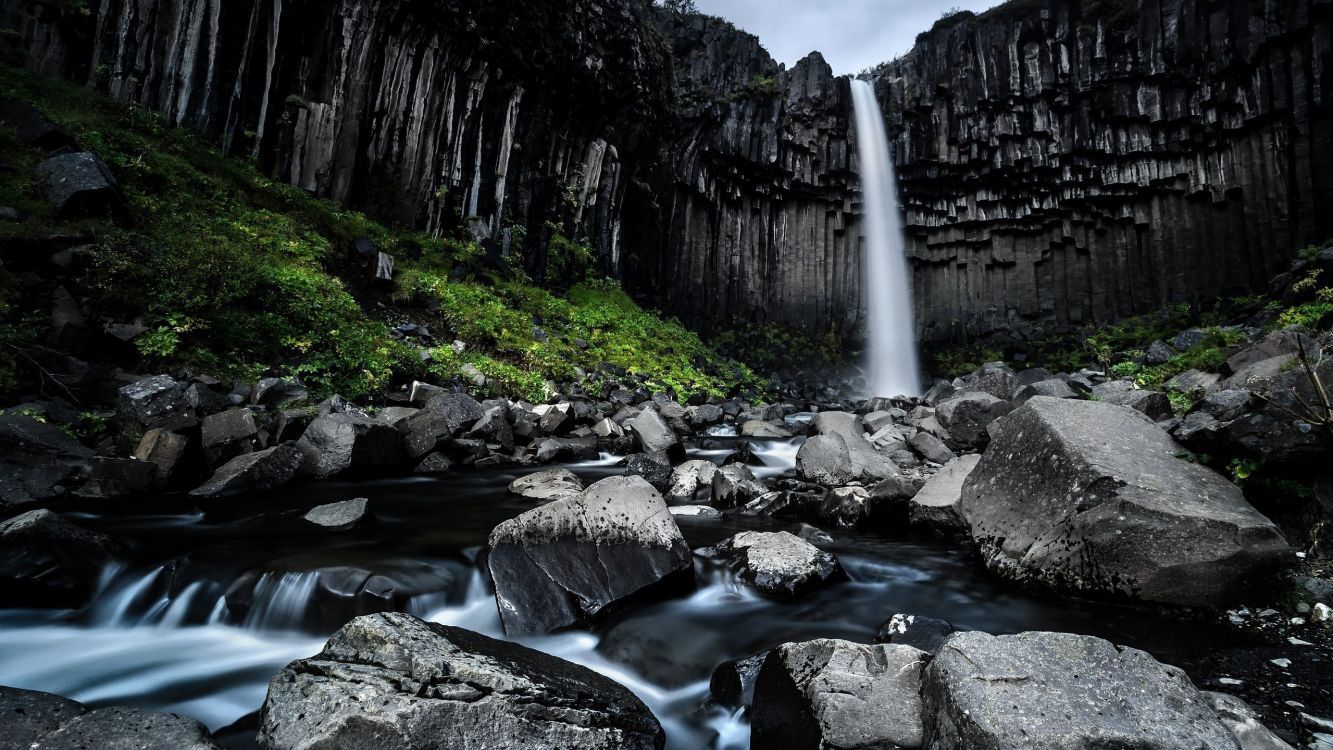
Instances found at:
x=162 y=633
x=892 y=365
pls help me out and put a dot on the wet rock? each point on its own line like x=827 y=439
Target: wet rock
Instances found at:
x=654 y=435
x=734 y=485
x=924 y=633
x=566 y=449
x=435 y=463
x=845 y=506
x=695 y=511
x=30 y=715
x=762 y=429
x=811 y=534
x=938 y=505
x=445 y=416
x=393 y=682
x=839 y=453
x=327 y=596
x=780 y=564
x=732 y=683
x=838 y=695
x=564 y=563
x=78 y=184
x=38 y=462
x=253 y=472
x=548 y=485
x=158 y=401
x=1062 y=685
x=166 y=451
x=931 y=448
x=46 y=561
x=653 y=467
x=494 y=429
x=692 y=482
x=967 y=416
x=1090 y=497
x=112 y=477
x=228 y=434
x=1243 y=723
x=348 y=443
x=278 y=392
x=342 y=516
x=1156 y=406
x=125 y=728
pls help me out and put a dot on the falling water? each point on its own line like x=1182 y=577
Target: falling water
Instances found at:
x=893 y=359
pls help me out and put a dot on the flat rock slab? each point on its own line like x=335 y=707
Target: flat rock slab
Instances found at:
x=393 y=682
x=781 y=564
x=936 y=506
x=1092 y=498
x=253 y=472
x=343 y=516
x=837 y=695
x=1054 y=691
x=563 y=563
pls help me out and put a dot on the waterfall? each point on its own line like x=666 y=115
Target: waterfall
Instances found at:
x=893 y=366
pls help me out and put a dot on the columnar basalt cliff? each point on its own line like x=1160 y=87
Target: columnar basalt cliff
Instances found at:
x=1069 y=163
x=1060 y=163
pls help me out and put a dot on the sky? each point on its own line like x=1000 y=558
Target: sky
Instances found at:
x=852 y=34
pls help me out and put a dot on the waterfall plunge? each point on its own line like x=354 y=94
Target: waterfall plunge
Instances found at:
x=893 y=366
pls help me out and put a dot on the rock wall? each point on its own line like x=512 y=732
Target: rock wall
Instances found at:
x=1065 y=163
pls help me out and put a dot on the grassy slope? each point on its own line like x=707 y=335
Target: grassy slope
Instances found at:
x=241 y=276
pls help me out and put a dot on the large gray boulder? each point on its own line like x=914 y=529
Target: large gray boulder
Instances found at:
x=967 y=416
x=253 y=472
x=654 y=435
x=125 y=728
x=78 y=183
x=837 y=695
x=563 y=563
x=692 y=482
x=47 y=561
x=936 y=506
x=735 y=484
x=1054 y=691
x=157 y=401
x=780 y=564
x=348 y=443
x=228 y=434
x=30 y=715
x=838 y=453
x=38 y=462
x=445 y=416
x=1092 y=498
x=393 y=682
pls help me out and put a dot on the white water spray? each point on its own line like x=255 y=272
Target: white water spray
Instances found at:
x=893 y=367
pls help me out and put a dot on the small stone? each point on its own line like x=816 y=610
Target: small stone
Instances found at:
x=1283 y=663
x=1298 y=642
x=1230 y=681
x=1321 y=613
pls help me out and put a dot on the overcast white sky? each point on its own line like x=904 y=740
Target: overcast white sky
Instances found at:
x=852 y=34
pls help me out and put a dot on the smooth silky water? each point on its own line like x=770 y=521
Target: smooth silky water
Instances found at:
x=159 y=633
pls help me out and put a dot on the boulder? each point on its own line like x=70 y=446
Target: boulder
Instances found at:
x=1092 y=498
x=937 y=505
x=734 y=485
x=845 y=506
x=253 y=472
x=692 y=482
x=113 y=477
x=1048 y=691
x=1159 y=353
x=445 y=416
x=348 y=443
x=167 y=451
x=762 y=429
x=547 y=485
x=1054 y=387
x=47 y=561
x=38 y=462
x=839 y=453
x=1275 y=344
x=342 y=516
x=931 y=448
x=655 y=435
x=30 y=715
x=34 y=128
x=1194 y=381
x=556 y=419
x=605 y=428
x=78 y=184
x=732 y=682
x=778 y=563
x=837 y=695
x=277 y=392
x=125 y=728
x=997 y=379
x=566 y=449
x=393 y=682
x=1156 y=406
x=228 y=434
x=704 y=415
x=435 y=463
x=565 y=562
x=653 y=467
x=967 y=416
x=494 y=429
x=158 y=401
x=1243 y=723
x=925 y=633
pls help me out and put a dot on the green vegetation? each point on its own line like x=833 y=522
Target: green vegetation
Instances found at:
x=240 y=276
x=772 y=347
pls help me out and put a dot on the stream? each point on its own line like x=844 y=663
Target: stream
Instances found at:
x=162 y=633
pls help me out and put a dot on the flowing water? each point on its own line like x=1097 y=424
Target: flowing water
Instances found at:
x=893 y=366
x=162 y=632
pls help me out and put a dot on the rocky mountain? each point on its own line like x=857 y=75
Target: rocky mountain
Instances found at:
x=1059 y=163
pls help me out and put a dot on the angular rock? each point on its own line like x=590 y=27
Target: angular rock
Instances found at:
x=566 y=449
x=34 y=128
x=937 y=505
x=253 y=472
x=167 y=451
x=348 y=443
x=655 y=468
x=1156 y=406
x=967 y=416
x=277 y=392
x=38 y=462
x=158 y=401
x=1090 y=497
x=655 y=435
x=494 y=429
x=77 y=184
x=111 y=477
x=557 y=419
x=1054 y=387
x=839 y=453
x=691 y=482
x=1059 y=690
x=548 y=485
x=838 y=695
x=46 y=561
x=605 y=428
x=924 y=633
x=1159 y=353
x=342 y=516
x=564 y=563
x=734 y=485
x=845 y=506
x=931 y=448
x=732 y=682
x=780 y=564
x=30 y=715
x=1243 y=723
x=393 y=682
x=445 y=416
x=1194 y=381
x=435 y=463
x=761 y=429
x=228 y=434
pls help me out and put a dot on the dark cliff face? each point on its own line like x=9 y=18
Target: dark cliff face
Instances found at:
x=1060 y=163
x=1068 y=163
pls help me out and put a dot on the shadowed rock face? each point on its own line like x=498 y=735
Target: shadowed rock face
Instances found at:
x=1091 y=497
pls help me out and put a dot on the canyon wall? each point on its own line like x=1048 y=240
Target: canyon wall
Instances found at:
x=1060 y=163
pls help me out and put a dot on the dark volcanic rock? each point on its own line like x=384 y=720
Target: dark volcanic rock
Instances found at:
x=38 y=462
x=124 y=728
x=30 y=715
x=565 y=562
x=349 y=443
x=925 y=633
x=732 y=682
x=47 y=561
x=547 y=485
x=445 y=416
x=158 y=401
x=837 y=695
x=655 y=468
x=1090 y=497
x=937 y=505
x=253 y=472
x=342 y=516
x=967 y=416
x=780 y=563
x=77 y=183
x=393 y=682
x=1056 y=690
